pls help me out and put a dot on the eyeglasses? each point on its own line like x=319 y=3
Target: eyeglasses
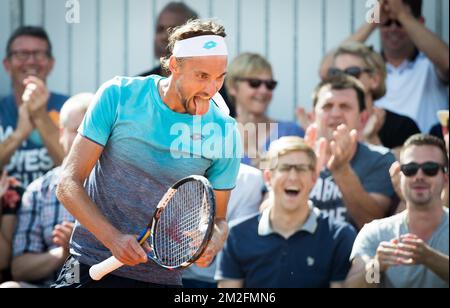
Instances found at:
x=255 y=83
x=298 y=168
x=389 y=22
x=24 y=55
x=354 y=71
x=429 y=168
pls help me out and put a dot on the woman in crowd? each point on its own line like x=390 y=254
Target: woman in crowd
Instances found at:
x=250 y=85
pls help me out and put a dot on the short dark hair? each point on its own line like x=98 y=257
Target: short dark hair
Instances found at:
x=180 y=8
x=342 y=82
x=426 y=140
x=416 y=7
x=37 y=32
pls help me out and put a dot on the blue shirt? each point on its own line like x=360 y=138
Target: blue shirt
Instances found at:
x=313 y=257
x=147 y=148
x=371 y=164
x=31 y=160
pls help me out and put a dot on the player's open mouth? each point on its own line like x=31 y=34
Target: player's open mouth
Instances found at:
x=292 y=192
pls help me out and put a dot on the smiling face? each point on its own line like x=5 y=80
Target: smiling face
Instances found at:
x=292 y=180
x=29 y=57
x=197 y=80
x=336 y=107
x=254 y=99
x=421 y=189
x=346 y=61
x=394 y=38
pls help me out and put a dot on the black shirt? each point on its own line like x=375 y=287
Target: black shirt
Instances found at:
x=396 y=130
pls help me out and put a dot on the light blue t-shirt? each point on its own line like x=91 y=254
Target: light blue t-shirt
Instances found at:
x=147 y=148
x=402 y=276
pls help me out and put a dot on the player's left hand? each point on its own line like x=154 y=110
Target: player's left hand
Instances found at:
x=215 y=244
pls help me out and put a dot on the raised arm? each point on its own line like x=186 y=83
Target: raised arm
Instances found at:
x=9 y=146
x=426 y=41
x=36 y=98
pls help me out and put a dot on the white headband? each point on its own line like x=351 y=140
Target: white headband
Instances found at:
x=201 y=46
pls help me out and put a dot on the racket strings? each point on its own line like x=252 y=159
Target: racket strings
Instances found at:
x=183 y=225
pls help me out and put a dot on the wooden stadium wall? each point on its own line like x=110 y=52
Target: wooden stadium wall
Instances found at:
x=114 y=37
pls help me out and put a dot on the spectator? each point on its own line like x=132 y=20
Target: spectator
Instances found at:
x=250 y=86
x=292 y=244
x=29 y=116
x=244 y=202
x=409 y=250
x=417 y=62
x=363 y=63
x=44 y=227
x=10 y=200
x=355 y=184
x=173 y=15
x=395 y=169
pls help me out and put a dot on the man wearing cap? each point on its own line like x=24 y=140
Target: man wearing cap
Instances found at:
x=140 y=136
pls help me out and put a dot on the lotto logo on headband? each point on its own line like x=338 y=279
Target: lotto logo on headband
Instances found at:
x=210 y=45
x=201 y=46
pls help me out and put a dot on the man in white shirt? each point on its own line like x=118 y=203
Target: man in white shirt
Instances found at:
x=417 y=61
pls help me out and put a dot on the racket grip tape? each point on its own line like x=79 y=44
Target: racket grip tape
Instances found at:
x=103 y=268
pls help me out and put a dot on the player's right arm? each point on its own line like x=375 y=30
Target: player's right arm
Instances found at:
x=77 y=167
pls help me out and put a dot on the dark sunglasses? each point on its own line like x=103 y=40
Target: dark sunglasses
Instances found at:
x=354 y=71
x=389 y=22
x=429 y=168
x=255 y=83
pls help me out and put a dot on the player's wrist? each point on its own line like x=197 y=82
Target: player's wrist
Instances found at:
x=109 y=237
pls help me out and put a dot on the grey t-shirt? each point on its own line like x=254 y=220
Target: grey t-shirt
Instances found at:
x=371 y=164
x=384 y=230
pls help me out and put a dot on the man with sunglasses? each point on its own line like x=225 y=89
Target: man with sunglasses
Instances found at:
x=409 y=249
x=29 y=145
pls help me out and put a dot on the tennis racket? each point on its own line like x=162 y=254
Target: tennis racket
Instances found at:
x=180 y=229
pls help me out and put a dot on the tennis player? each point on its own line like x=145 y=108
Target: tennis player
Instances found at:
x=140 y=136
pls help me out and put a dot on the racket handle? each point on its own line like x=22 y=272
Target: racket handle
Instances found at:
x=103 y=268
